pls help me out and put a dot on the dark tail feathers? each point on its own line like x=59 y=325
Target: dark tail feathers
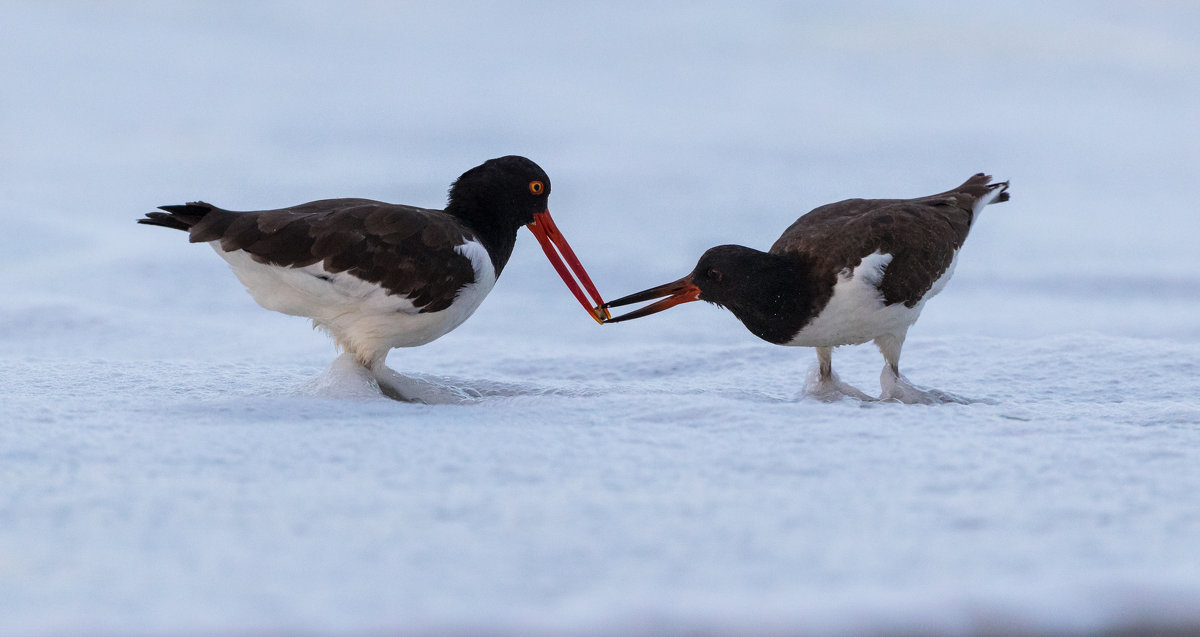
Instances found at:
x=178 y=217
x=978 y=186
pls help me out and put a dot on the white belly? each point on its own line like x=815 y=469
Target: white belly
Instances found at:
x=361 y=316
x=856 y=312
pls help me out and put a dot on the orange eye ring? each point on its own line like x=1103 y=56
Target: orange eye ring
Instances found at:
x=537 y=187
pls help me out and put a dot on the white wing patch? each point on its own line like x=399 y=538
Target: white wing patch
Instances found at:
x=856 y=312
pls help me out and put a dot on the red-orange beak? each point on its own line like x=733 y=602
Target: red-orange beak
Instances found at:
x=681 y=291
x=563 y=258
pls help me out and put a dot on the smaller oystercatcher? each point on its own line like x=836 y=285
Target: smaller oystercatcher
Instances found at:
x=376 y=275
x=843 y=274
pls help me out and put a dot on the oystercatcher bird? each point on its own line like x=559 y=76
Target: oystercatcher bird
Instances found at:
x=376 y=275
x=843 y=274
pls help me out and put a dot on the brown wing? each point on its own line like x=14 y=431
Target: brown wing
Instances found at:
x=921 y=234
x=409 y=251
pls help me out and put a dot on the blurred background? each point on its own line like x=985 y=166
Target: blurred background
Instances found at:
x=156 y=473
x=666 y=128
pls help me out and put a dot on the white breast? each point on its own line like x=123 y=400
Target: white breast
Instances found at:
x=361 y=316
x=856 y=312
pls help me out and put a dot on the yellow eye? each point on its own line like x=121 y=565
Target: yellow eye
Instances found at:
x=536 y=187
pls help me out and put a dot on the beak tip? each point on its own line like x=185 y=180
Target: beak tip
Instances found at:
x=601 y=314
x=563 y=258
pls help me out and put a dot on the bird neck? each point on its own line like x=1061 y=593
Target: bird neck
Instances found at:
x=492 y=224
x=776 y=297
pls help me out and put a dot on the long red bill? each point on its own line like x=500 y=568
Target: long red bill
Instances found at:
x=563 y=258
x=681 y=291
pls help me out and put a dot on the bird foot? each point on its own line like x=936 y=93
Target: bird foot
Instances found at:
x=344 y=379
x=347 y=379
x=896 y=388
x=411 y=389
x=830 y=388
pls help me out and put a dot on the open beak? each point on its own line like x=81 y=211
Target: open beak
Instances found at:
x=681 y=291
x=563 y=258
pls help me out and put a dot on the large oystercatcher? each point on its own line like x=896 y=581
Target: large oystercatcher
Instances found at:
x=844 y=274
x=377 y=275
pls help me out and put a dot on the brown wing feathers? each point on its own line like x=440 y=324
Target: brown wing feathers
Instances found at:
x=409 y=251
x=921 y=234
